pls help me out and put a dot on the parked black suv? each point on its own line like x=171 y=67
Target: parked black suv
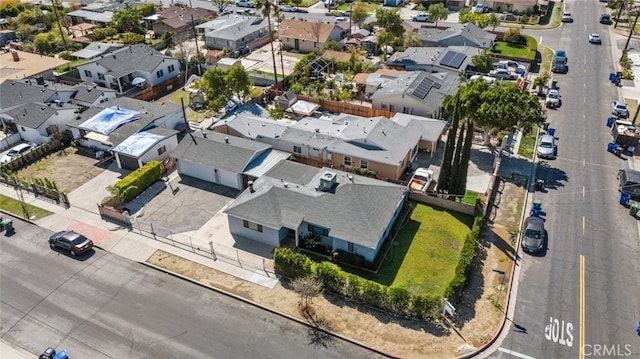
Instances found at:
x=605 y=19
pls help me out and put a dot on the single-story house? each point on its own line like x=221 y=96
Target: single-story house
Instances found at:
x=368 y=83
x=224 y=160
x=96 y=49
x=457 y=35
x=235 y=32
x=292 y=200
x=16 y=64
x=37 y=121
x=180 y=21
x=454 y=59
x=88 y=94
x=136 y=65
x=307 y=36
x=515 y=6
x=378 y=144
x=418 y=93
x=82 y=29
x=135 y=131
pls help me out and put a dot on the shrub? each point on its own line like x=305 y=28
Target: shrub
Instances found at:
x=137 y=181
x=425 y=307
x=399 y=300
x=373 y=293
x=353 y=259
x=291 y=265
x=331 y=276
x=514 y=37
x=353 y=288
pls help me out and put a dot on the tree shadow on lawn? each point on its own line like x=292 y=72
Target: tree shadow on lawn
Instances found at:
x=472 y=292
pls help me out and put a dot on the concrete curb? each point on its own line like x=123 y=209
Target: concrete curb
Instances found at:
x=268 y=309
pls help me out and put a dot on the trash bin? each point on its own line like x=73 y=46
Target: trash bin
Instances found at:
x=7 y=224
x=551 y=131
x=624 y=199
x=613 y=78
x=545 y=126
x=536 y=211
x=611 y=121
x=612 y=147
x=554 y=84
x=633 y=210
x=537 y=203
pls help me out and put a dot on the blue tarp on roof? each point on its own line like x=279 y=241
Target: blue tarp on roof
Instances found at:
x=109 y=119
x=138 y=143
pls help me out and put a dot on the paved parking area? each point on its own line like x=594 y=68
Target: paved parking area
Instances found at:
x=185 y=204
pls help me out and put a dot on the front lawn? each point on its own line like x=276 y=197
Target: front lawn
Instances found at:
x=517 y=51
x=18 y=208
x=527 y=144
x=426 y=252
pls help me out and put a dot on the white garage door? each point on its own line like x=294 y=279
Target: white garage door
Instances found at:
x=209 y=174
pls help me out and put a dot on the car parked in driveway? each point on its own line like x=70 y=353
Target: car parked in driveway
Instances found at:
x=546 y=147
x=533 y=236
x=73 y=242
x=17 y=151
x=503 y=74
x=423 y=17
x=595 y=38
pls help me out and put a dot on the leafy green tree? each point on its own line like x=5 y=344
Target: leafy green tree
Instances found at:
x=444 y=178
x=238 y=81
x=330 y=45
x=514 y=37
x=276 y=113
x=437 y=12
x=130 y=38
x=128 y=20
x=411 y=39
x=102 y=33
x=465 y=156
x=147 y=9
x=483 y=62
x=266 y=7
x=390 y=21
x=494 y=21
x=480 y=20
x=44 y=42
x=359 y=14
x=213 y=85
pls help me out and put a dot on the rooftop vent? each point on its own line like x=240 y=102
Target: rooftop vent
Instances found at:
x=327 y=181
x=226 y=140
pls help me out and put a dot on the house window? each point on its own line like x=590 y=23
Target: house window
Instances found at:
x=384 y=106
x=351 y=247
x=347 y=161
x=406 y=110
x=317 y=230
x=162 y=150
x=100 y=76
x=391 y=108
x=171 y=68
x=159 y=73
x=297 y=149
x=253 y=226
x=364 y=164
x=87 y=73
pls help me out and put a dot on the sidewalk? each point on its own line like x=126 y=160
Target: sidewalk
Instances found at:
x=11 y=351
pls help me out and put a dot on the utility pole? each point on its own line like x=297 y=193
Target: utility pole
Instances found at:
x=55 y=12
x=626 y=46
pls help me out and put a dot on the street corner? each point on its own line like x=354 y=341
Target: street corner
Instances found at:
x=99 y=236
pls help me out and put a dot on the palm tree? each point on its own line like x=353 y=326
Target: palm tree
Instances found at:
x=267 y=6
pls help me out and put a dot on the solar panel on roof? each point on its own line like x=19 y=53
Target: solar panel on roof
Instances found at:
x=453 y=59
x=447 y=58
x=423 y=88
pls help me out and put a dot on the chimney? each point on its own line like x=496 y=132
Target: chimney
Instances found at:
x=226 y=140
x=250 y=184
x=15 y=55
x=204 y=134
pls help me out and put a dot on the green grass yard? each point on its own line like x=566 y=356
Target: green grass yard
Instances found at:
x=527 y=144
x=426 y=255
x=13 y=206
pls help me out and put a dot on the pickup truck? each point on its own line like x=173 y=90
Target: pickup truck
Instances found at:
x=421 y=180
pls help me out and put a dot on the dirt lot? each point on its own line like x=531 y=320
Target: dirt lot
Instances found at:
x=477 y=319
x=67 y=169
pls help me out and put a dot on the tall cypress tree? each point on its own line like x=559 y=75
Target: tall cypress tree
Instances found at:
x=445 y=166
x=454 y=178
x=461 y=184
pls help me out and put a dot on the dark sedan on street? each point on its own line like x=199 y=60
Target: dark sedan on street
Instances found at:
x=74 y=243
x=533 y=238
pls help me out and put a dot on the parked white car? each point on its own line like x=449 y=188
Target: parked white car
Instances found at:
x=553 y=99
x=424 y=17
x=245 y=3
x=17 y=151
x=619 y=109
x=503 y=74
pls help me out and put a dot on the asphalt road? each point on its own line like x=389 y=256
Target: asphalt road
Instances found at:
x=584 y=290
x=103 y=306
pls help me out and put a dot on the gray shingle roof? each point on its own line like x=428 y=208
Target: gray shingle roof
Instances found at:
x=90 y=93
x=235 y=29
x=214 y=152
x=34 y=114
x=124 y=61
x=18 y=92
x=357 y=210
x=469 y=34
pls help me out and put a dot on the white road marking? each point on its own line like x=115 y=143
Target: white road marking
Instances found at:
x=515 y=354
x=540 y=40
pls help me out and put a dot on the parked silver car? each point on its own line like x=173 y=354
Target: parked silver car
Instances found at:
x=546 y=147
x=503 y=74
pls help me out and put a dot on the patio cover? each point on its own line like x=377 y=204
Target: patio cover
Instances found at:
x=109 y=119
x=138 y=143
x=304 y=108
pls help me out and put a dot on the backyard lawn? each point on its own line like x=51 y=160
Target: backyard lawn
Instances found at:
x=426 y=254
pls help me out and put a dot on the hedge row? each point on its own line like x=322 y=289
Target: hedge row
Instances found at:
x=137 y=181
x=467 y=253
x=398 y=301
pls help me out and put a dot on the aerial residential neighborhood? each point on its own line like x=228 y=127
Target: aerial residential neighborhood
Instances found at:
x=326 y=178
